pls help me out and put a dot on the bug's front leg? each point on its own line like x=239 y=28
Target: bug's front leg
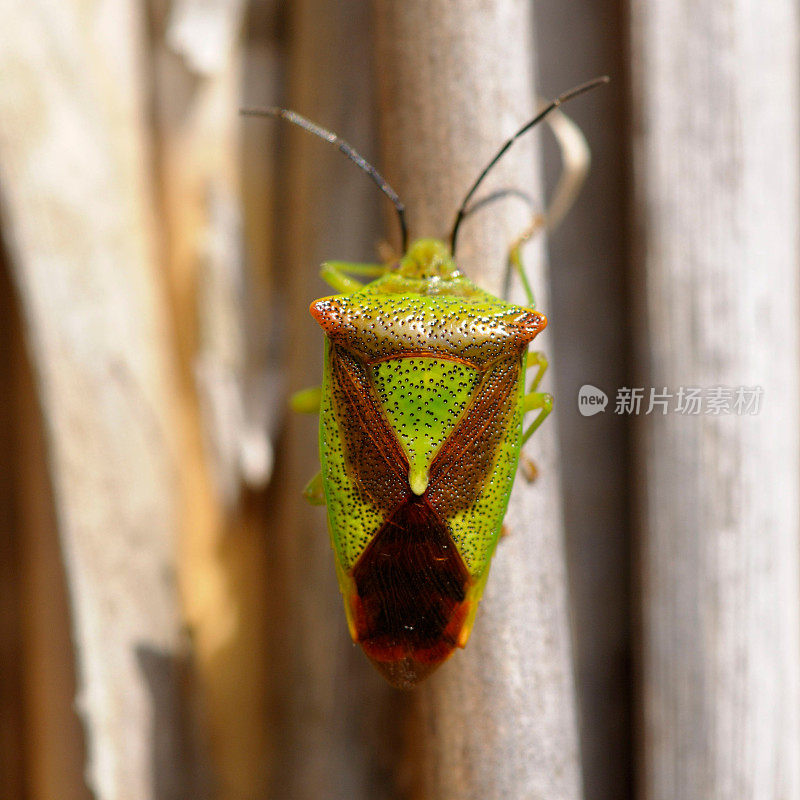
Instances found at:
x=515 y=256
x=336 y=274
x=575 y=159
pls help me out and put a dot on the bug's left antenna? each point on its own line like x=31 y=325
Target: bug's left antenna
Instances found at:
x=584 y=87
x=344 y=147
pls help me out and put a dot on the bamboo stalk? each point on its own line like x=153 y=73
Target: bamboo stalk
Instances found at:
x=456 y=80
x=336 y=722
x=716 y=169
x=588 y=257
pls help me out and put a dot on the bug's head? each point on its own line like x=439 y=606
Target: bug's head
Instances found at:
x=428 y=258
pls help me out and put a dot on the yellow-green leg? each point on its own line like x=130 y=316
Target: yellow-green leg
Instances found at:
x=515 y=257
x=532 y=401
x=307 y=401
x=535 y=400
x=336 y=274
x=314 y=492
x=575 y=159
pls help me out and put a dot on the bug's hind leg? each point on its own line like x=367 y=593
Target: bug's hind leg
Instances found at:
x=337 y=274
x=314 y=491
x=528 y=468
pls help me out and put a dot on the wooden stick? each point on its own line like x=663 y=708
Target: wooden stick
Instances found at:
x=716 y=168
x=334 y=728
x=499 y=719
x=588 y=264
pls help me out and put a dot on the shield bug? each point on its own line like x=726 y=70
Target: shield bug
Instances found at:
x=421 y=424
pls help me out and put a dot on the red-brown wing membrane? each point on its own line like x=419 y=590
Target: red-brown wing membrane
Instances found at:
x=460 y=470
x=410 y=583
x=373 y=454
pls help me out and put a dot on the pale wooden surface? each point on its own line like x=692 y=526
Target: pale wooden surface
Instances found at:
x=715 y=96
x=196 y=86
x=498 y=720
x=96 y=222
x=77 y=218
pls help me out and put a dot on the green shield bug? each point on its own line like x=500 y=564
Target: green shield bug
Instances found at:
x=421 y=424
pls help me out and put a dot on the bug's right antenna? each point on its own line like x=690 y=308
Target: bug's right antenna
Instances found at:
x=584 y=87
x=344 y=147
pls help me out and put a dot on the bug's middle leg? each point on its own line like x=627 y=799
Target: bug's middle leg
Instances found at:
x=306 y=401
x=534 y=399
x=543 y=401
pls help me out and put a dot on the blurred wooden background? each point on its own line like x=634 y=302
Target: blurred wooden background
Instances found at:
x=170 y=624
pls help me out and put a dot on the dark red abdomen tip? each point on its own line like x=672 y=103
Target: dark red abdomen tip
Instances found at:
x=410 y=599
